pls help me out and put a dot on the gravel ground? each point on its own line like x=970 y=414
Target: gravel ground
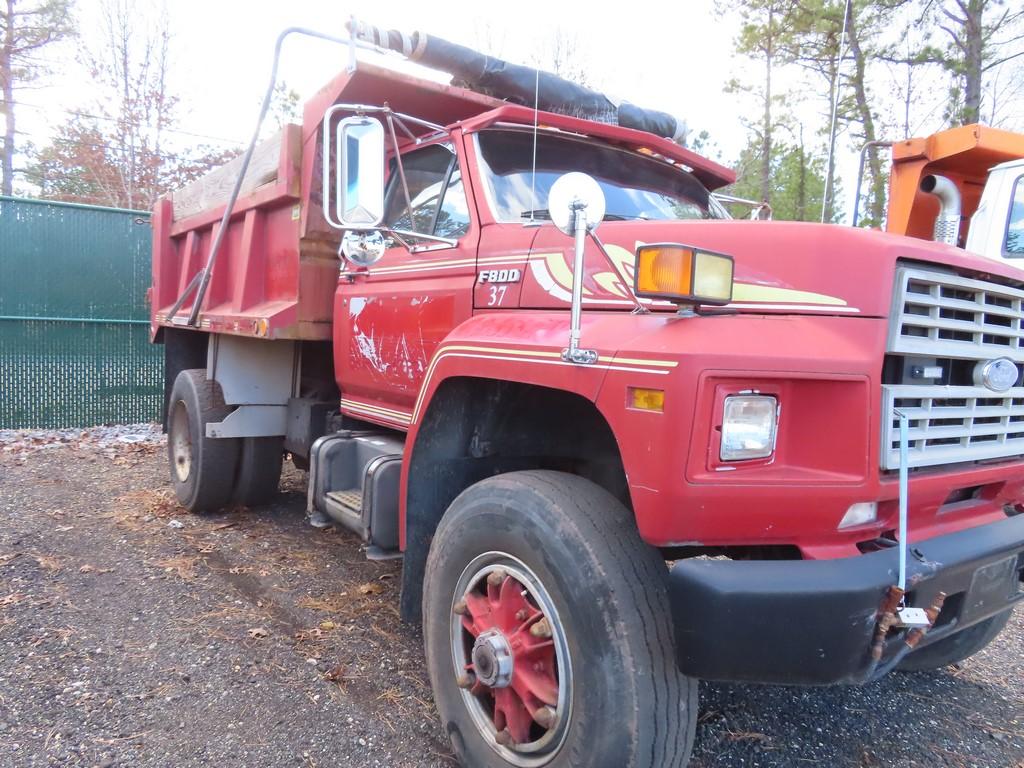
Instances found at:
x=133 y=634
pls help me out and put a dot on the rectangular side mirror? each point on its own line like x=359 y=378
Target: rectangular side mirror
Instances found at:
x=358 y=181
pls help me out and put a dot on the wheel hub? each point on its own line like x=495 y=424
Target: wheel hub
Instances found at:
x=180 y=442
x=511 y=659
x=492 y=659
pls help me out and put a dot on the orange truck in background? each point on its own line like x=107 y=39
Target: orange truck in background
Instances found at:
x=964 y=187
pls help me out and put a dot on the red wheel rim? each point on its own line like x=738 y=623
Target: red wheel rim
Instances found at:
x=511 y=659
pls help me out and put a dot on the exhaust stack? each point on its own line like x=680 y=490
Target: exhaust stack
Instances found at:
x=947 y=223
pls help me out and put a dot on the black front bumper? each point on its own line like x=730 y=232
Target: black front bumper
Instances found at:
x=812 y=622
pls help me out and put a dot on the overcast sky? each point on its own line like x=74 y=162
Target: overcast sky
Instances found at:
x=674 y=57
x=671 y=56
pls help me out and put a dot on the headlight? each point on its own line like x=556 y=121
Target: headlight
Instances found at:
x=683 y=274
x=748 y=427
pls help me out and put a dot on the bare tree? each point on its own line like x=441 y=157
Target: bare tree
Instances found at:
x=560 y=53
x=25 y=29
x=1004 y=96
x=129 y=63
x=118 y=152
x=982 y=35
x=285 y=107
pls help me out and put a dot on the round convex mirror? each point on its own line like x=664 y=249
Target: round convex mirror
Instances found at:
x=570 y=190
x=362 y=248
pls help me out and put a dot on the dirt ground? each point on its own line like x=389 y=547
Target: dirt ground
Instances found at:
x=134 y=634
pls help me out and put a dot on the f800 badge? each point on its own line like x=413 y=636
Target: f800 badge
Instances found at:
x=500 y=276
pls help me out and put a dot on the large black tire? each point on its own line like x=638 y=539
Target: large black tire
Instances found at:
x=629 y=705
x=956 y=648
x=259 y=470
x=202 y=468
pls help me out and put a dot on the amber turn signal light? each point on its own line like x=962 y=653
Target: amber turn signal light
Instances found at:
x=644 y=399
x=683 y=274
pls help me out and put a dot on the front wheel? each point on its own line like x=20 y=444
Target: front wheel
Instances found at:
x=547 y=630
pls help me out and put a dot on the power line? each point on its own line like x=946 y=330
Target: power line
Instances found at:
x=76 y=113
x=111 y=147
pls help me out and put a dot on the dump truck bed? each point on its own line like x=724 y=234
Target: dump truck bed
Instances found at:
x=277 y=268
x=267 y=280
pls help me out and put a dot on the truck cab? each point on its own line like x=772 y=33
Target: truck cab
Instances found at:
x=620 y=441
x=997 y=227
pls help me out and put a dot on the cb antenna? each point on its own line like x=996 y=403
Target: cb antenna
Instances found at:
x=533 y=169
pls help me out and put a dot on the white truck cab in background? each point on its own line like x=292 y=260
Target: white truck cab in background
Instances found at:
x=997 y=227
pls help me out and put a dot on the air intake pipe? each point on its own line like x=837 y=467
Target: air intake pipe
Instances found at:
x=947 y=223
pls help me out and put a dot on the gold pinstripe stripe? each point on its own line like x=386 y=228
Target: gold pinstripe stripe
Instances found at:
x=509 y=353
x=401 y=416
x=426 y=265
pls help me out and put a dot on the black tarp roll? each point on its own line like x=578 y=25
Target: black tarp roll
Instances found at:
x=518 y=84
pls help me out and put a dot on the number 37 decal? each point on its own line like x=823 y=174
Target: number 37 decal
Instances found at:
x=495 y=280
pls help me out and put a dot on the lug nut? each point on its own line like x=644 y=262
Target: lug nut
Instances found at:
x=465 y=680
x=460 y=608
x=541 y=628
x=521 y=614
x=497 y=578
x=503 y=737
x=545 y=717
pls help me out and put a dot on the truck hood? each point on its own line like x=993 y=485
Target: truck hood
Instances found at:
x=781 y=267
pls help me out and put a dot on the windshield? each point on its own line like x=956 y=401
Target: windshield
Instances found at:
x=635 y=187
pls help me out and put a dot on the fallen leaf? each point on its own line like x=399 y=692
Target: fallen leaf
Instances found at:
x=258 y=633
x=12 y=599
x=47 y=562
x=327 y=625
x=335 y=673
x=370 y=588
x=87 y=568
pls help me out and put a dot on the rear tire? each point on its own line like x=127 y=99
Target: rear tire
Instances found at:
x=259 y=470
x=202 y=468
x=956 y=648
x=552 y=550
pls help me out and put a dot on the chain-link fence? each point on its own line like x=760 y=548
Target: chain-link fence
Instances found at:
x=74 y=326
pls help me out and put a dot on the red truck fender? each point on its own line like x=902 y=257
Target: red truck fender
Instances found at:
x=526 y=379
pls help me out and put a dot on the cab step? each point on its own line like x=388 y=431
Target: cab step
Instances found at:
x=354 y=480
x=351 y=501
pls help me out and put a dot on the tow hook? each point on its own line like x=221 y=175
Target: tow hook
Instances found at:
x=892 y=614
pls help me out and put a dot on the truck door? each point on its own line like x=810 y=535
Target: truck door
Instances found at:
x=390 y=318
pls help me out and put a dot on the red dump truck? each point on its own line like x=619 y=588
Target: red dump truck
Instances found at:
x=621 y=441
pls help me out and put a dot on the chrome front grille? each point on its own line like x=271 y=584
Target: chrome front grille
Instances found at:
x=943 y=315
x=941 y=321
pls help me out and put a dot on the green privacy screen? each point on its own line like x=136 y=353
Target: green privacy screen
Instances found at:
x=74 y=325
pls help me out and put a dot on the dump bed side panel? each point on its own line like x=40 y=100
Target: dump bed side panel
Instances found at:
x=267 y=281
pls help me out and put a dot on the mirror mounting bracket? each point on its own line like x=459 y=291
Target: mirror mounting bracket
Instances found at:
x=574 y=353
